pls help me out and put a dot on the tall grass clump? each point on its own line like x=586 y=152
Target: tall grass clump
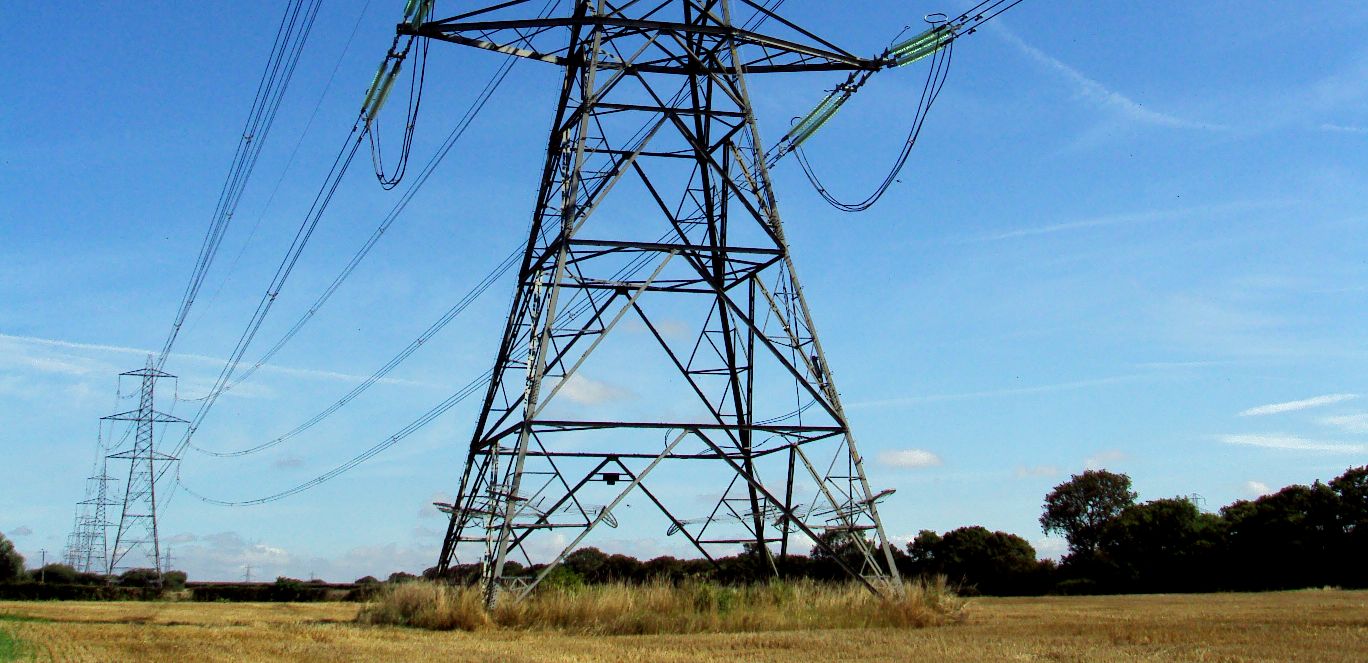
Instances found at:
x=624 y=609
x=428 y=605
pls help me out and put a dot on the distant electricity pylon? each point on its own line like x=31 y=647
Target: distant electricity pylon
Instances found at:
x=137 y=529
x=88 y=544
x=688 y=292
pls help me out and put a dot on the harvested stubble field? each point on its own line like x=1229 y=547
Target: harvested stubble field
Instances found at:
x=1284 y=626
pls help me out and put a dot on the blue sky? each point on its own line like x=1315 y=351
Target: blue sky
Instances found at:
x=1132 y=236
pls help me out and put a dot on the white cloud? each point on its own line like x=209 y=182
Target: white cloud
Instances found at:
x=1130 y=218
x=1017 y=391
x=1293 y=406
x=1350 y=423
x=1099 y=95
x=587 y=391
x=74 y=368
x=1050 y=547
x=288 y=462
x=1045 y=471
x=1292 y=443
x=1099 y=460
x=428 y=510
x=1256 y=488
x=909 y=458
x=1342 y=128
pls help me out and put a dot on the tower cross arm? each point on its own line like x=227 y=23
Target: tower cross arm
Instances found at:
x=511 y=37
x=155 y=416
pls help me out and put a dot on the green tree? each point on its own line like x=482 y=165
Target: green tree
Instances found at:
x=1292 y=538
x=922 y=552
x=588 y=562
x=978 y=560
x=1352 y=489
x=11 y=562
x=1082 y=506
x=139 y=578
x=1163 y=545
x=56 y=574
x=174 y=579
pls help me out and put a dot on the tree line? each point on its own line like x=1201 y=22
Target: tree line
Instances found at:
x=1300 y=536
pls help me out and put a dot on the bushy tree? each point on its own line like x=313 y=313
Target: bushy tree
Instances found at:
x=1163 y=545
x=1291 y=538
x=174 y=579
x=400 y=576
x=1082 y=506
x=978 y=560
x=588 y=562
x=11 y=562
x=56 y=574
x=1352 y=490
x=139 y=578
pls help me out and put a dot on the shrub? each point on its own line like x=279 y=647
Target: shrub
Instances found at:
x=57 y=574
x=658 y=607
x=11 y=562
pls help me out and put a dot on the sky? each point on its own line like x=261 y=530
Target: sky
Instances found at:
x=1131 y=236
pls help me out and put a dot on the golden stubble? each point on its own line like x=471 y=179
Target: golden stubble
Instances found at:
x=1313 y=625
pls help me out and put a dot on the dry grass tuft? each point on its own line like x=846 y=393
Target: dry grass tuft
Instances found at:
x=663 y=608
x=427 y=605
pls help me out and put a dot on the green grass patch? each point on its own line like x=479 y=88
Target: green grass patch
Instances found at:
x=9 y=617
x=11 y=647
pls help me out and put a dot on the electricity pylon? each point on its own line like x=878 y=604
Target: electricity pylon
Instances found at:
x=138 y=518
x=88 y=544
x=681 y=285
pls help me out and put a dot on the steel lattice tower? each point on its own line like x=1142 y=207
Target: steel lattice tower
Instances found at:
x=88 y=544
x=137 y=529
x=687 y=285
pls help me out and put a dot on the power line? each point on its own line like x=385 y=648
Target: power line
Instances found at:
x=302 y=235
x=452 y=138
x=413 y=426
x=935 y=80
x=393 y=363
x=632 y=267
x=291 y=36
x=294 y=153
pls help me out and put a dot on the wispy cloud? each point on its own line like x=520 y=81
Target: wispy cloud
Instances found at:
x=1040 y=471
x=909 y=458
x=1016 y=391
x=22 y=530
x=1291 y=443
x=1349 y=423
x=1128 y=218
x=587 y=391
x=1256 y=488
x=1103 y=458
x=1103 y=97
x=1293 y=406
x=1344 y=128
x=288 y=462
x=49 y=365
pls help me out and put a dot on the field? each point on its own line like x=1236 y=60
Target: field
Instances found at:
x=1316 y=625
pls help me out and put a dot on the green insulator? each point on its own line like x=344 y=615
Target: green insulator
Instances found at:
x=409 y=7
x=818 y=123
x=421 y=14
x=808 y=119
x=374 y=86
x=914 y=42
x=381 y=98
x=913 y=56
